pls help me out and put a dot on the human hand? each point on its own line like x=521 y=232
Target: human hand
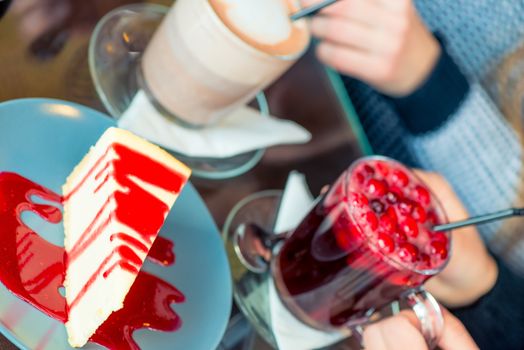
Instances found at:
x=402 y=332
x=471 y=271
x=381 y=42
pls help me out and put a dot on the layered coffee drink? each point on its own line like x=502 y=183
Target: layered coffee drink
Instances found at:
x=209 y=57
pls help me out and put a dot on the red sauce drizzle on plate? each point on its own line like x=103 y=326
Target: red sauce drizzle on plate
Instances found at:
x=34 y=269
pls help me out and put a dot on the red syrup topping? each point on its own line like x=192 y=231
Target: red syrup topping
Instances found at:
x=34 y=269
x=161 y=252
x=146 y=306
x=31 y=267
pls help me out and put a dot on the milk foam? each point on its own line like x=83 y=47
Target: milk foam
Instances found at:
x=266 y=21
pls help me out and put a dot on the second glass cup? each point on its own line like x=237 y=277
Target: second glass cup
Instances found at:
x=367 y=243
x=198 y=69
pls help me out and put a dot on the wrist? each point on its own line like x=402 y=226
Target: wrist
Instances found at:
x=422 y=64
x=471 y=289
x=438 y=97
x=487 y=279
x=465 y=287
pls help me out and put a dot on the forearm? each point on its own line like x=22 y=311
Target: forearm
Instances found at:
x=453 y=287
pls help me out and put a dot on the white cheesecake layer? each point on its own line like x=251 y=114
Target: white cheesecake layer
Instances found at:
x=88 y=213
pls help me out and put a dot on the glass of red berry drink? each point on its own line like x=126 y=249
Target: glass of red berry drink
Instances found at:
x=367 y=243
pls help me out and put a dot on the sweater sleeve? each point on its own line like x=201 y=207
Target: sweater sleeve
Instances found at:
x=455 y=128
x=496 y=321
x=437 y=99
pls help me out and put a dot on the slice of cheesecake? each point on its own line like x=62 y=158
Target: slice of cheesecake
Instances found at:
x=115 y=202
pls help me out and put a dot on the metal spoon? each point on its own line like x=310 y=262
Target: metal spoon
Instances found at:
x=254 y=246
x=481 y=219
x=310 y=11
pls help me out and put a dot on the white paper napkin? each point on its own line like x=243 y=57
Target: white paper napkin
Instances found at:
x=289 y=332
x=246 y=129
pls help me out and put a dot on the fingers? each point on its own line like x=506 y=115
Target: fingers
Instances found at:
x=361 y=38
x=365 y=11
x=394 y=333
x=353 y=62
x=390 y=29
x=455 y=335
x=349 y=33
x=338 y=6
x=360 y=11
x=397 y=6
x=402 y=331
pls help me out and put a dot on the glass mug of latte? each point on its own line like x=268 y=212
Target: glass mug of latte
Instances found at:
x=209 y=57
x=366 y=243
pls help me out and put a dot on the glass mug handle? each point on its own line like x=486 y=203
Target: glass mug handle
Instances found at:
x=425 y=307
x=429 y=313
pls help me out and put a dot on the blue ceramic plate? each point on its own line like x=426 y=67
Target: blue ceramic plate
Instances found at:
x=43 y=140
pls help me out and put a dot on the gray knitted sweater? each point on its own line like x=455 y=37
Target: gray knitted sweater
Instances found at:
x=473 y=144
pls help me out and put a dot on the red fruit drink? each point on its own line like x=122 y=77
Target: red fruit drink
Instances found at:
x=366 y=243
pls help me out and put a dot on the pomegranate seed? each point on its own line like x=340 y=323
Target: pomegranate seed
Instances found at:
x=377 y=188
x=431 y=217
x=440 y=237
x=355 y=232
x=343 y=240
x=399 y=236
x=387 y=224
x=386 y=243
x=419 y=213
x=410 y=227
x=360 y=178
x=392 y=214
x=422 y=195
x=383 y=168
x=368 y=171
x=408 y=252
x=439 y=249
x=346 y=234
x=358 y=200
x=372 y=221
x=426 y=259
x=399 y=178
x=391 y=198
x=406 y=207
x=377 y=206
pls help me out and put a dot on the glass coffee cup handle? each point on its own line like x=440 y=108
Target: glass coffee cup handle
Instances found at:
x=429 y=313
x=425 y=307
